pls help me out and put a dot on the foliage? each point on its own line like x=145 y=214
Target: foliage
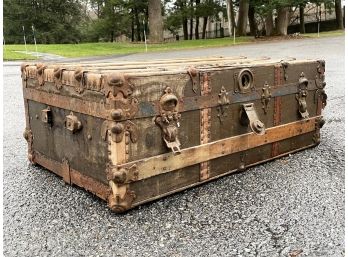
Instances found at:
x=54 y=21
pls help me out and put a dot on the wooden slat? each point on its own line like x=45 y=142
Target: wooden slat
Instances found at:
x=167 y=162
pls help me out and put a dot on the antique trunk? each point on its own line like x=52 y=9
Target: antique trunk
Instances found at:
x=132 y=132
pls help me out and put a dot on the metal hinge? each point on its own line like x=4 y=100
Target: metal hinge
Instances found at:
x=302 y=95
x=169 y=121
x=249 y=117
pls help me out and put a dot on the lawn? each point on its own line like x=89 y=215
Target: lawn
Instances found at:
x=103 y=49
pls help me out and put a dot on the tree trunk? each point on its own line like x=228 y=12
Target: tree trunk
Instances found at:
x=302 y=24
x=339 y=16
x=155 y=21
x=205 y=22
x=137 y=23
x=269 y=23
x=282 y=21
x=112 y=36
x=184 y=28
x=132 y=25
x=191 y=19
x=242 y=17
x=229 y=17
x=197 y=21
x=252 y=21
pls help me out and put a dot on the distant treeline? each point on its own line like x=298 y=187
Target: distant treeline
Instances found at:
x=74 y=21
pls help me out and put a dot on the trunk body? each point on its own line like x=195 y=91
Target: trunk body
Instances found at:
x=205 y=22
x=302 y=23
x=155 y=21
x=242 y=17
x=339 y=16
x=282 y=21
x=252 y=21
x=132 y=132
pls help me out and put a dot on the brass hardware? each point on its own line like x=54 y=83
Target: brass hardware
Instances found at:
x=119 y=129
x=28 y=135
x=192 y=72
x=223 y=103
x=79 y=77
x=250 y=117
x=121 y=197
x=285 y=65
x=116 y=114
x=323 y=97
x=116 y=83
x=122 y=175
x=265 y=97
x=46 y=116
x=40 y=72
x=72 y=123
x=245 y=81
x=169 y=120
x=302 y=95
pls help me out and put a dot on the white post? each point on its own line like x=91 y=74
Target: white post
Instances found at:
x=37 y=54
x=145 y=36
x=25 y=41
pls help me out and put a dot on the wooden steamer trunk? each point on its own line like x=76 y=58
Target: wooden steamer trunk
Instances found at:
x=133 y=132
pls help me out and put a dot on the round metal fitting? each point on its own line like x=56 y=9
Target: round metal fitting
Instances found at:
x=258 y=126
x=116 y=114
x=116 y=80
x=245 y=80
x=117 y=128
x=169 y=102
x=120 y=176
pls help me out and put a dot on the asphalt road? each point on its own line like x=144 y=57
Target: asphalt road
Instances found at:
x=292 y=204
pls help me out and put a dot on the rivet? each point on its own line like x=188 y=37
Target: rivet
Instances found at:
x=89 y=137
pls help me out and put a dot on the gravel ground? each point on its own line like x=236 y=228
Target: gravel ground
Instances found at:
x=288 y=206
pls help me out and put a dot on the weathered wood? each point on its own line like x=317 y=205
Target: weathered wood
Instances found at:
x=167 y=162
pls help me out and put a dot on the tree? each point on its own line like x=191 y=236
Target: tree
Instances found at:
x=339 y=16
x=230 y=16
x=54 y=21
x=242 y=17
x=155 y=21
x=282 y=20
x=302 y=24
x=252 y=19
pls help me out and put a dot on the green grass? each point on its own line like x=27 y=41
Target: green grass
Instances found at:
x=333 y=33
x=10 y=55
x=103 y=49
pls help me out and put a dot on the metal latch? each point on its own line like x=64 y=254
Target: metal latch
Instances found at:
x=169 y=120
x=249 y=116
x=265 y=97
x=46 y=115
x=302 y=95
x=223 y=103
x=72 y=123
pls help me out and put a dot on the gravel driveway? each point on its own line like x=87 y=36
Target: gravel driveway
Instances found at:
x=291 y=206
